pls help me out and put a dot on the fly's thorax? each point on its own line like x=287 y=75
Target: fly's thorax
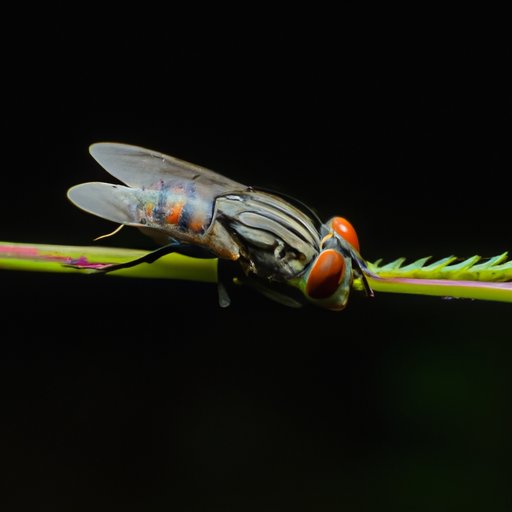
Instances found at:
x=277 y=241
x=277 y=262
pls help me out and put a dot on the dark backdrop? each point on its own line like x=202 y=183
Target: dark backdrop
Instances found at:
x=120 y=394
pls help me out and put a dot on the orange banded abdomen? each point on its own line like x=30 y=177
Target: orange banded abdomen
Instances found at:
x=175 y=206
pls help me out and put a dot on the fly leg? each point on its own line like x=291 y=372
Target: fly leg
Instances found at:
x=362 y=270
x=224 y=299
x=103 y=268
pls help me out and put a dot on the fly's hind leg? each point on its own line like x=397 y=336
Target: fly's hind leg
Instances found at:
x=103 y=268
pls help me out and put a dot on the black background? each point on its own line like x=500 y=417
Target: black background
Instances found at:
x=147 y=396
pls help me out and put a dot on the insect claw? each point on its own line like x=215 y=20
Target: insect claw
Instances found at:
x=369 y=292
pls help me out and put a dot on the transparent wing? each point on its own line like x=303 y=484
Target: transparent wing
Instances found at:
x=112 y=202
x=163 y=193
x=144 y=168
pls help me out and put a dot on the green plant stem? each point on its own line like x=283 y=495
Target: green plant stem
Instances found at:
x=58 y=258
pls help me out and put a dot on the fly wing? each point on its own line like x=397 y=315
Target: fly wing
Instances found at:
x=162 y=192
x=144 y=168
x=112 y=202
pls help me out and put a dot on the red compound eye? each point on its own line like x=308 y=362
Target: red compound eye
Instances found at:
x=345 y=230
x=326 y=274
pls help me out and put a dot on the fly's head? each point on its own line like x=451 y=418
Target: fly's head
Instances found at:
x=328 y=279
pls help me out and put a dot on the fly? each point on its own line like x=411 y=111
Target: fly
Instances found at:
x=281 y=250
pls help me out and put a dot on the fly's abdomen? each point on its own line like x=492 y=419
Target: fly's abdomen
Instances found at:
x=174 y=206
